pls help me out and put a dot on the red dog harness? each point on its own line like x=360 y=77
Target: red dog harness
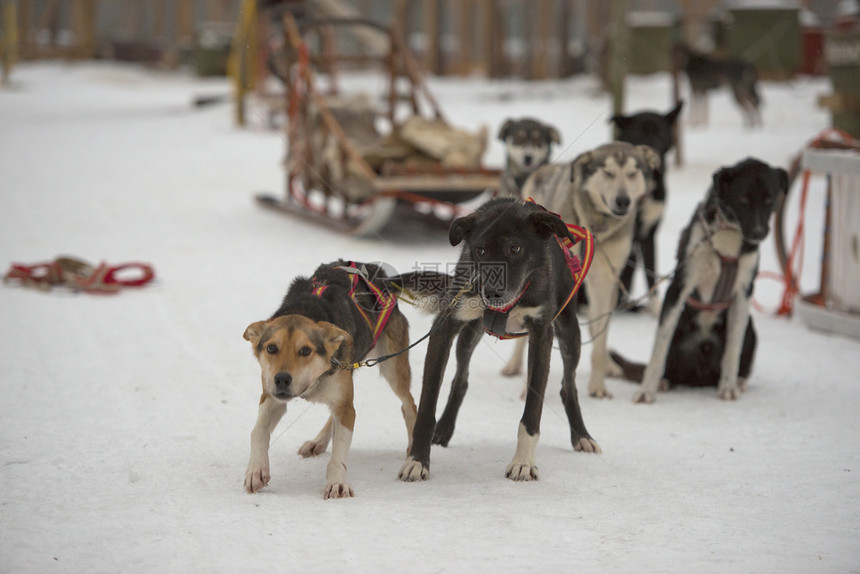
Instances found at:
x=723 y=290
x=382 y=308
x=496 y=318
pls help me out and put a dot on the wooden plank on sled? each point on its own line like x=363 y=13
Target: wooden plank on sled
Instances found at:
x=418 y=183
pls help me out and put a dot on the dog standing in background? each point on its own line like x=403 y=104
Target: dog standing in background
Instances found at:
x=658 y=132
x=705 y=336
x=599 y=190
x=706 y=73
x=528 y=144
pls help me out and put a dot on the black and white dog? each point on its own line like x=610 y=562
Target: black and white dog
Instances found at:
x=705 y=336
x=528 y=144
x=513 y=276
x=706 y=73
x=657 y=131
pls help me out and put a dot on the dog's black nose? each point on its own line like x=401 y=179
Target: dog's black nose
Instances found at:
x=494 y=293
x=527 y=159
x=282 y=381
x=622 y=202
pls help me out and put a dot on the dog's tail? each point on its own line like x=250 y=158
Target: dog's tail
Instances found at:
x=629 y=370
x=425 y=290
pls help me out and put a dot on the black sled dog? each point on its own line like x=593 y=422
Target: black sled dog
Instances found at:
x=705 y=336
x=706 y=73
x=657 y=131
x=514 y=277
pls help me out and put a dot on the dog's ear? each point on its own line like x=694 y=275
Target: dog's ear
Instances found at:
x=554 y=136
x=619 y=120
x=546 y=224
x=333 y=337
x=577 y=165
x=505 y=130
x=650 y=158
x=461 y=228
x=673 y=114
x=721 y=182
x=254 y=332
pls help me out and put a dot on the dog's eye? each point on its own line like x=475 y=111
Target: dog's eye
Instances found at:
x=744 y=200
x=304 y=351
x=272 y=349
x=608 y=174
x=514 y=249
x=632 y=175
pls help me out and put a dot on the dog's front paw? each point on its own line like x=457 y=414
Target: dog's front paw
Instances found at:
x=512 y=369
x=312 y=448
x=728 y=389
x=599 y=392
x=442 y=435
x=413 y=470
x=587 y=444
x=644 y=397
x=338 y=490
x=519 y=471
x=256 y=477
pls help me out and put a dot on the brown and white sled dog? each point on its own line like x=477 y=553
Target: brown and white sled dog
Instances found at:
x=705 y=335
x=528 y=144
x=600 y=191
x=324 y=325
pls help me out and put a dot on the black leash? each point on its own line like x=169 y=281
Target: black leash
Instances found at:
x=337 y=363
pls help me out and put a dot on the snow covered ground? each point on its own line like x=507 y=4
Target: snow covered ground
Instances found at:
x=125 y=420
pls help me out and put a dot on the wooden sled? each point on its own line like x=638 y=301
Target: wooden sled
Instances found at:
x=352 y=162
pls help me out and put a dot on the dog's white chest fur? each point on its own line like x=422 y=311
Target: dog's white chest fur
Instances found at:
x=472 y=308
x=517 y=318
x=705 y=264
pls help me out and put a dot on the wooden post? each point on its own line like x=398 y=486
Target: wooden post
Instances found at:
x=618 y=59
x=8 y=41
x=24 y=13
x=184 y=24
x=84 y=25
x=486 y=32
x=492 y=38
x=540 y=38
x=432 y=45
x=466 y=25
x=242 y=60
x=563 y=69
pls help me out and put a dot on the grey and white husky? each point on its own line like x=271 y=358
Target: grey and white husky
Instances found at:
x=528 y=144
x=599 y=190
